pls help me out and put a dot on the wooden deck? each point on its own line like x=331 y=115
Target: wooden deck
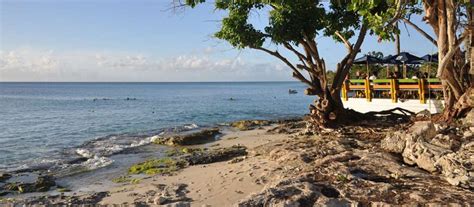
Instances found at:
x=395 y=87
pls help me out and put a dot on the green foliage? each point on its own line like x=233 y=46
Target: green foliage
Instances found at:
x=237 y=31
x=376 y=54
x=289 y=21
x=379 y=15
x=156 y=166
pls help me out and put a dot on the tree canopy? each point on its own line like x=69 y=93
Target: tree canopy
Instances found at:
x=295 y=25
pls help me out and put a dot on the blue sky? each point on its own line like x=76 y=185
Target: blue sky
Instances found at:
x=141 y=40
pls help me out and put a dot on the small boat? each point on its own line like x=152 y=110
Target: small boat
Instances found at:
x=290 y=91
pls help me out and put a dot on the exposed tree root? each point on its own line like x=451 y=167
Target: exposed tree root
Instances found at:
x=349 y=117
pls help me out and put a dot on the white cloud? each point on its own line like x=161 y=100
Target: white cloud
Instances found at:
x=28 y=64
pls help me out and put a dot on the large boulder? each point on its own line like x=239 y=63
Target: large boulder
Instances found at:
x=439 y=153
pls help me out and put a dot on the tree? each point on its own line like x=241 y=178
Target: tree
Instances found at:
x=450 y=20
x=295 y=25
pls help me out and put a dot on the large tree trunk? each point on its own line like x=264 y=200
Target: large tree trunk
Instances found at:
x=441 y=15
x=328 y=111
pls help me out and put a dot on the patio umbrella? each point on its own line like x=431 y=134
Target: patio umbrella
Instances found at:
x=367 y=59
x=390 y=60
x=407 y=58
x=430 y=58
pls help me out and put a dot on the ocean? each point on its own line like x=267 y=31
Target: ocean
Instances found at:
x=47 y=125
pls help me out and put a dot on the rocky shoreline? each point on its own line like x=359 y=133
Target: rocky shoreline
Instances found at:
x=261 y=163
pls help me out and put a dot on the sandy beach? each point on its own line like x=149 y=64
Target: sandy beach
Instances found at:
x=215 y=184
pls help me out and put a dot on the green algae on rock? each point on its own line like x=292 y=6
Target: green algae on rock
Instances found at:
x=157 y=166
x=42 y=184
x=126 y=179
x=182 y=151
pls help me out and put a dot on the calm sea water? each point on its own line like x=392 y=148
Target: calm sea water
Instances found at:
x=42 y=123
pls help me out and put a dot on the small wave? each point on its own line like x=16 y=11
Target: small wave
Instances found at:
x=84 y=153
x=191 y=126
x=97 y=162
x=88 y=165
x=34 y=164
x=110 y=145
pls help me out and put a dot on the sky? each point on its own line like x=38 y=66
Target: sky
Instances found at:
x=145 y=40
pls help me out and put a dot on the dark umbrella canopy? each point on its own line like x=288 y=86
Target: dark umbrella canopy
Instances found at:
x=390 y=59
x=430 y=58
x=408 y=58
x=367 y=59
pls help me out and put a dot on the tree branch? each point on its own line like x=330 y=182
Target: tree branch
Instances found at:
x=421 y=31
x=296 y=73
x=345 y=65
x=298 y=54
x=398 y=13
x=346 y=43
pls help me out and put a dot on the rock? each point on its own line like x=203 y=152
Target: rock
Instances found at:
x=169 y=195
x=446 y=141
x=244 y=125
x=468 y=134
x=424 y=129
x=441 y=153
x=201 y=137
x=423 y=114
x=215 y=155
x=181 y=204
x=394 y=142
x=422 y=153
x=42 y=184
x=288 y=126
x=458 y=167
x=417 y=197
x=160 y=200
x=236 y=160
x=4 y=177
x=469 y=119
x=296 y=192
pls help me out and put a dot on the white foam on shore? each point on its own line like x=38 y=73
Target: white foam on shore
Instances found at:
x=191 y=126
x=97 y=162
x=84 y=153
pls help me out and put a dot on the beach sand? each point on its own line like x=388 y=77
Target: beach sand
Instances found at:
x=215 y=184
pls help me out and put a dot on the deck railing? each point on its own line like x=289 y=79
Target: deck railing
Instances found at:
x=394 y=86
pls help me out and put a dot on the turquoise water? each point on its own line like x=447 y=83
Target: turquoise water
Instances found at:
x=42 y=124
